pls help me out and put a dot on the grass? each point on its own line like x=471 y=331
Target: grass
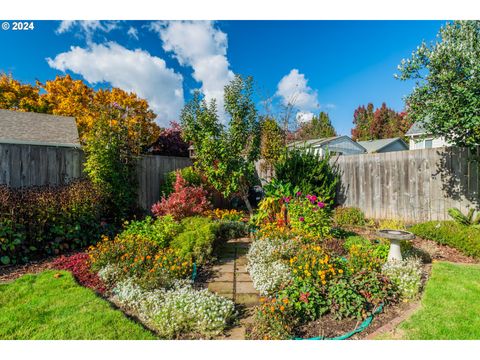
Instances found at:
x=45 y=307
x=450 y=308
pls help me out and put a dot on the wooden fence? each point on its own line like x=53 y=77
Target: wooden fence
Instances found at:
x=23 y=165
x=151 y=172
x=416 y=185
x=31 y=165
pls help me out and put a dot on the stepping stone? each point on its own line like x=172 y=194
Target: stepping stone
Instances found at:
x=241 y=269
x=221 y=287
x=248 y=300
x=243 y=277
x=218 y=269
x=245 y=288
x=222 y=277
x=241 y=261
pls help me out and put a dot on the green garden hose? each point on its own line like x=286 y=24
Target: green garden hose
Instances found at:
x=358 y=329
x=194 y=271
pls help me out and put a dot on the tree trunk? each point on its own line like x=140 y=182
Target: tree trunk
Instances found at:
x=247 y=203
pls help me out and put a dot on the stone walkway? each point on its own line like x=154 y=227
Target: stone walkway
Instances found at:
x=231 y=279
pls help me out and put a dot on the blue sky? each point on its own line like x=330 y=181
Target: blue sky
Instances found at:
x=333 y=66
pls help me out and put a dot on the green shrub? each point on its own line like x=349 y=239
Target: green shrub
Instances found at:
x=161 y=230
x=363 y=255
x=197 y=238
x=188 y=174
x=464 y=238
x=311 y=173
x=48 y=220
x=231 y=230
x=349 y=216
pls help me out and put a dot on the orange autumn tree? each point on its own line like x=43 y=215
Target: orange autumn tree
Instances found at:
x=68 y=97
x=20 y=97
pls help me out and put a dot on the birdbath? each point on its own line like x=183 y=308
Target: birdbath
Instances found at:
x=395 y=236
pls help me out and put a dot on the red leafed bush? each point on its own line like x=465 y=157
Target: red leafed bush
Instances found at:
x=184 y=201
x=79 y=266
x=170 y=142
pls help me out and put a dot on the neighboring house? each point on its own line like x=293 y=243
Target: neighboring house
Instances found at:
x=337 y=145
x=38 y=129
x=420 y=139
x=384 y=145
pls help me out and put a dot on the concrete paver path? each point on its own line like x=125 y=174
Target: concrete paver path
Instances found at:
x=231 y=279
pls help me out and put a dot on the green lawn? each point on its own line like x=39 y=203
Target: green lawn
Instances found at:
x=450 y=308
x=44 y=307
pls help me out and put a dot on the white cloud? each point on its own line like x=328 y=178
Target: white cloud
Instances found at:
x=302 y=117
x=201 y=46
x=293 y=89
x=87 y=27
x=131 y=70
x=133 y=32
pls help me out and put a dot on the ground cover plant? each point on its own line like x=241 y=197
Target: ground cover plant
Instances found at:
x=52 y=306
x=462 y=237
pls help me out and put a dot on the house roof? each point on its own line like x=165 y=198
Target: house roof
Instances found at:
x=418 y=127
x=373 y=146
x=313 y=142
x=38 y=129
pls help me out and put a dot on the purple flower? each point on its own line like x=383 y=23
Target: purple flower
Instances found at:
x=321 y=205
x=301 y=218
x=299 y=193
x=286 y=199
x=115 y=105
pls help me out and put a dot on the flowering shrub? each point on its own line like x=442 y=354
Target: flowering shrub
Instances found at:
x=184 y=201
x=363 y=255
x=48 y=220
x=79 y=266
x=406 y=275
x=308 y=215
x=179 y=311
x=141 y=258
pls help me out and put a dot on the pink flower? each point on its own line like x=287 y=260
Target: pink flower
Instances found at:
x=299 y=193
x=287 y=199
x=301 y=218
x=321 y=205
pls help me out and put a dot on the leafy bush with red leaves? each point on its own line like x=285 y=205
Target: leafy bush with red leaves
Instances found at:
x=185 y=201
x=79 y=266
x=170 y=142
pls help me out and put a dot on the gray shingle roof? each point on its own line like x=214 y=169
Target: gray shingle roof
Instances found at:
x=38 y=129
x=373 y=146
x=313 y=142
x=416 y=129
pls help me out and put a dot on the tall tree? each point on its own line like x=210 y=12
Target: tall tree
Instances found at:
x=68 y=97
x=226 y=154
x=446 y=98
x=272 y=142
x=382 y=123
x=319 y=127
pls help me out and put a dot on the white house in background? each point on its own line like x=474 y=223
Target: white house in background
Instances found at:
x=337 y=145
x=384 y=145
x=420 y=139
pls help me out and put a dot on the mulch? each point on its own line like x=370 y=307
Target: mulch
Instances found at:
x=12 y=272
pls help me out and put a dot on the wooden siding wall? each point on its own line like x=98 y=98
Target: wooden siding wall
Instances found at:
x=416 y=185
x=24 y=165
x=31 y=165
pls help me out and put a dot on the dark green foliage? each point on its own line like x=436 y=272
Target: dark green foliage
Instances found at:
x=311 y=173
x=188 y=173
x=231 y=230
x=350 y=216
x=48 y=220
x=464 y=238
